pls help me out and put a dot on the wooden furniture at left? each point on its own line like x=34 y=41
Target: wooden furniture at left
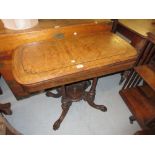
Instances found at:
x=45 y=30
x=69 y=63
x=5 y=127
x=5 y=108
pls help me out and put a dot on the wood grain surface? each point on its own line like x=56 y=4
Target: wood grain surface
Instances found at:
x=45 y=30
x=147 y=74
x=142 y=107
x=140 y=26
x=76 y=58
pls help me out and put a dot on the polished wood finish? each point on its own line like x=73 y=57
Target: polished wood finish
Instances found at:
x=142 y=107
x=49 y=29
x=5 y=108
x=136 y=31
x=45 y=30
x=6 y=128
x=141 y=99
x=144 y=58
x=71 y=60
x=140 y=26
x=148 y=74
x=68 y=60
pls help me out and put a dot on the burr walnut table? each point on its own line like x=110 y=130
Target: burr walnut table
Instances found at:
x=68 y=64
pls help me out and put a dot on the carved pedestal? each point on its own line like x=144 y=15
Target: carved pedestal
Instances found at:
x=73 y=93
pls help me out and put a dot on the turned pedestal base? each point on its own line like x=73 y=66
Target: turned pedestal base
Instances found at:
x=73 y=93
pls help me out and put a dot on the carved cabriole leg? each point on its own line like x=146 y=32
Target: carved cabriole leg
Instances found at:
x=65 y=107
x=66 y=103
x=73 y=93
x=90 y=97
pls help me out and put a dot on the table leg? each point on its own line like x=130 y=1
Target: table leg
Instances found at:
x=66 y=103
x=73 y=93
x=90 y=97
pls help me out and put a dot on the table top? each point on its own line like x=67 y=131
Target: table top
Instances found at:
x=61 y=59
x=141 y=26
x=51 y=23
